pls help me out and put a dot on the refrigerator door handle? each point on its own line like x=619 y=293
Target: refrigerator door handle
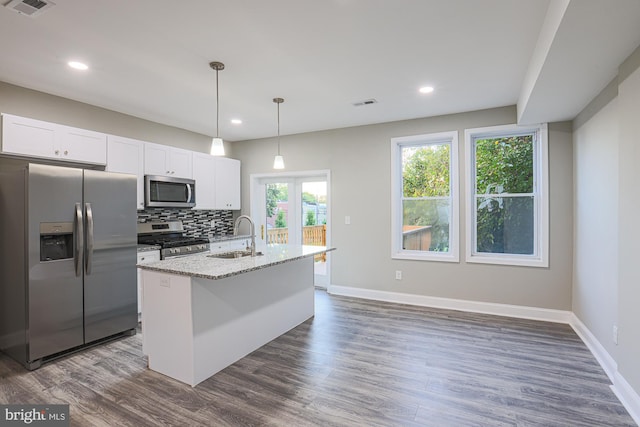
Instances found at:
x=79 y=236
x=89 y=249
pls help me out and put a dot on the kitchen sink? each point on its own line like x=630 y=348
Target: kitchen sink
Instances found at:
x=233 y=255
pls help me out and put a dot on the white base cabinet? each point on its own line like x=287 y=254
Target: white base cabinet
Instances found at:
x=145 y=257
x=194 y=327
x=35 y=138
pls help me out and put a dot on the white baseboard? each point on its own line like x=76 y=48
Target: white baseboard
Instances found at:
x=602 y=356
x=625 y=393
x=627 y=396
x=522 y=312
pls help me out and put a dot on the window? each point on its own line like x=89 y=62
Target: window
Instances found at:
x=424 y=191
x=507 y=195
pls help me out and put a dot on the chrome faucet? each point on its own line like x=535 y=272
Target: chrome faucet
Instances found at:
x=252 y=230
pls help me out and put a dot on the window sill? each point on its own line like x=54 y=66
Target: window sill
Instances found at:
x=425 y=256
x=523 y=261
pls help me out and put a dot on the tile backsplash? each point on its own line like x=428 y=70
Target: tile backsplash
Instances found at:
x=197 y=223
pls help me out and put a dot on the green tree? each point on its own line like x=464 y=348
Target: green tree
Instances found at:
x=504 y=166
x=280 y=221
x=311 y=218
x=425 y=177
x=426 y=171
x=275 y=194
x=309 y=198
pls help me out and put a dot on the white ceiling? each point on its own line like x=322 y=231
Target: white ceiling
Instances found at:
x=150 y=58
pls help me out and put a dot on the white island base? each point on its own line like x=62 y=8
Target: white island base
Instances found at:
x=194 y=327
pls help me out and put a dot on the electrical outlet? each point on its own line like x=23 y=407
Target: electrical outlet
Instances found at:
x=398 y=275
x=615 y=334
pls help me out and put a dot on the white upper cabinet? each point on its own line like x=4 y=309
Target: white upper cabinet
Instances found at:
x=217 y=178
x=126 y=155
x=217 y=182
x=227 y=183
x=35 y=138
x=204 y=173
x=82 y=145
x=167 y=161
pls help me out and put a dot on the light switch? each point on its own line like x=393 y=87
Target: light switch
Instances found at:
x=347 y=220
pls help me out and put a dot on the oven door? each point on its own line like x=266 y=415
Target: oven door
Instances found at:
x=168 y=192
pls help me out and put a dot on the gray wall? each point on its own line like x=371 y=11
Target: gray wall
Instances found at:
x=595 y=287
x=359 y=159
x=629 y=228
x=50 y=108
x=607 y=202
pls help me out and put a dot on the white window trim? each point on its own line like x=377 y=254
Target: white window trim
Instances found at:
x=397 y=252
x=540 y=258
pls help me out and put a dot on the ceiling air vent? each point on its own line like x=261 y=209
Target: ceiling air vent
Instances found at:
x=365 y=102
x=30 y=8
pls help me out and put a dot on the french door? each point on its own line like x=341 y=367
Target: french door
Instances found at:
x=293 y=208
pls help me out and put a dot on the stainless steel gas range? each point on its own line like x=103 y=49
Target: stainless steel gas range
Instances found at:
x=170 y=237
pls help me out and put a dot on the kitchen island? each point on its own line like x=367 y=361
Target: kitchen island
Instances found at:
x=200 y=313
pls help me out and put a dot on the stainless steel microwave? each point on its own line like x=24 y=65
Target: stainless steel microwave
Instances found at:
x=169 y=192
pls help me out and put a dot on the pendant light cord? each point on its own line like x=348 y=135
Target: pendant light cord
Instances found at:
x=217 y=108
x=278 y=128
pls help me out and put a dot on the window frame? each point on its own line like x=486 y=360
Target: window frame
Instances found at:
x=397 y=252
x=540 y=257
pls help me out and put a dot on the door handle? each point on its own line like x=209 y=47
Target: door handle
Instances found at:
x=89 y=247
x=262 y=232
x=188 y=193
x=79 y=237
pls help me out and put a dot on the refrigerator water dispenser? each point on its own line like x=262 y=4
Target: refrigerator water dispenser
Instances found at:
x=56 y=241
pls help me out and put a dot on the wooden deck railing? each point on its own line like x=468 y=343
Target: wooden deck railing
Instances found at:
x=314 y=235
x=278 y=236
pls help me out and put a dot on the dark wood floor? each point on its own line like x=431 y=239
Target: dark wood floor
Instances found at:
x=357 y=363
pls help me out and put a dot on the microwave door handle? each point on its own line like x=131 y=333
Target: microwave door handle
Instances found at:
x=188 y=193
x=79 y=237
x=89 y=249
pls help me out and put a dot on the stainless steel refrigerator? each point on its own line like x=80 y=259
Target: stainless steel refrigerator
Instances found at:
x=67 y=259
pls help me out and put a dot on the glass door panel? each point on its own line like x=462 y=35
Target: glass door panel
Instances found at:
x=293 y=210
x=277 y=213
x=314 y=220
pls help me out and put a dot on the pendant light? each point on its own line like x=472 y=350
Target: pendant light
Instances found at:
x=278 y=162
x=217 y=146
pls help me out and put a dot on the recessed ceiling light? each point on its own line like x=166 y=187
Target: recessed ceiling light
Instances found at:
x=78 y=65
x=426 y=89
x=236 y=121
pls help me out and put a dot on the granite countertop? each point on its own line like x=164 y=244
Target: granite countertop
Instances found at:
x=203 y=266
x=227 y=238
x=148 y=248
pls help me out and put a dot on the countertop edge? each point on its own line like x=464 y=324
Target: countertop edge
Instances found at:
x=157 y=266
